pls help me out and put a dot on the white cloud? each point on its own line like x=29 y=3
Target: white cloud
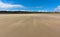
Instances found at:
x=42 y=10
x=6 y=5
x=25 y=10
x=57 y=9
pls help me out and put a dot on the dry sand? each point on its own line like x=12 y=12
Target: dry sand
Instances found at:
x=29 y=25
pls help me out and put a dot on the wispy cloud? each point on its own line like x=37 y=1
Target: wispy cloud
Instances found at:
x=17 y=7
x=9 y=7
x=26 y=10
x=57 y=9
x=5 y=5
x=42 y=10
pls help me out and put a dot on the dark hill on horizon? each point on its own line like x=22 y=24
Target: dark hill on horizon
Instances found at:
x=22 y=12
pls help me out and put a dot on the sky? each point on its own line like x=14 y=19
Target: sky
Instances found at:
x=30 y=5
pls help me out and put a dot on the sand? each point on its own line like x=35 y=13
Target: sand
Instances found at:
x=29 y=25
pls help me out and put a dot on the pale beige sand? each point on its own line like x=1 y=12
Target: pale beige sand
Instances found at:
x=29 y=25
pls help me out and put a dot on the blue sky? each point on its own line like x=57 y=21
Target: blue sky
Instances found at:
x=30 y=5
